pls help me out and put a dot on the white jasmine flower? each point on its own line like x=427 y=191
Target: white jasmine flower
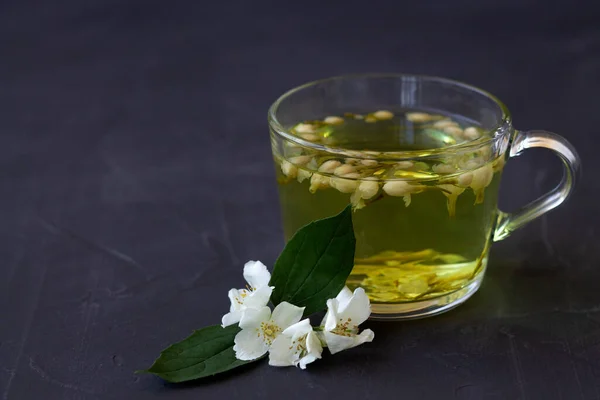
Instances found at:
x=451 y=192
x=289 y=169
x=260 y=328
x=256 y=295
x=367 y=189
x=297 y=345
x=344 y=314
x=482 y=177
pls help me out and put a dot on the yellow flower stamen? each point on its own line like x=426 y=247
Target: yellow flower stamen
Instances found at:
x=345 y=328
x=269 y=331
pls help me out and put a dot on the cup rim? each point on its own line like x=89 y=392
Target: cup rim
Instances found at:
x=470 y=145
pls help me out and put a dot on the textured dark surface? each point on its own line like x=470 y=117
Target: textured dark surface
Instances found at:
x=136 y=179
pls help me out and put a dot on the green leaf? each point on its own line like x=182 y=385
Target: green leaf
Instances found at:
x=315 y=263
x=206 y=352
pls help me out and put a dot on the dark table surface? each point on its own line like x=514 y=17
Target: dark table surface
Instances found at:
x=136 y=179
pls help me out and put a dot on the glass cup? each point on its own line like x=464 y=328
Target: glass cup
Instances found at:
x=420 y=159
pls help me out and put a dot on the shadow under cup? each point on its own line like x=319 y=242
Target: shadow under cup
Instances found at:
x=420 y=159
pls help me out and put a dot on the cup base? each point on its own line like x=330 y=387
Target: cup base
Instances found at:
x=425 y=308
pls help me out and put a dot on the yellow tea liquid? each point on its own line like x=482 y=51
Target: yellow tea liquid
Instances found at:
x=422 y=225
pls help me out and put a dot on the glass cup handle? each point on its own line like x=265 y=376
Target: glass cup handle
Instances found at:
x=508 y=222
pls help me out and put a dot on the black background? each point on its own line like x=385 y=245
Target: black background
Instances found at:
x=136 y=179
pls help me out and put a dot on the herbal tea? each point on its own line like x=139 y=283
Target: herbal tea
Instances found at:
x=421 y=227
